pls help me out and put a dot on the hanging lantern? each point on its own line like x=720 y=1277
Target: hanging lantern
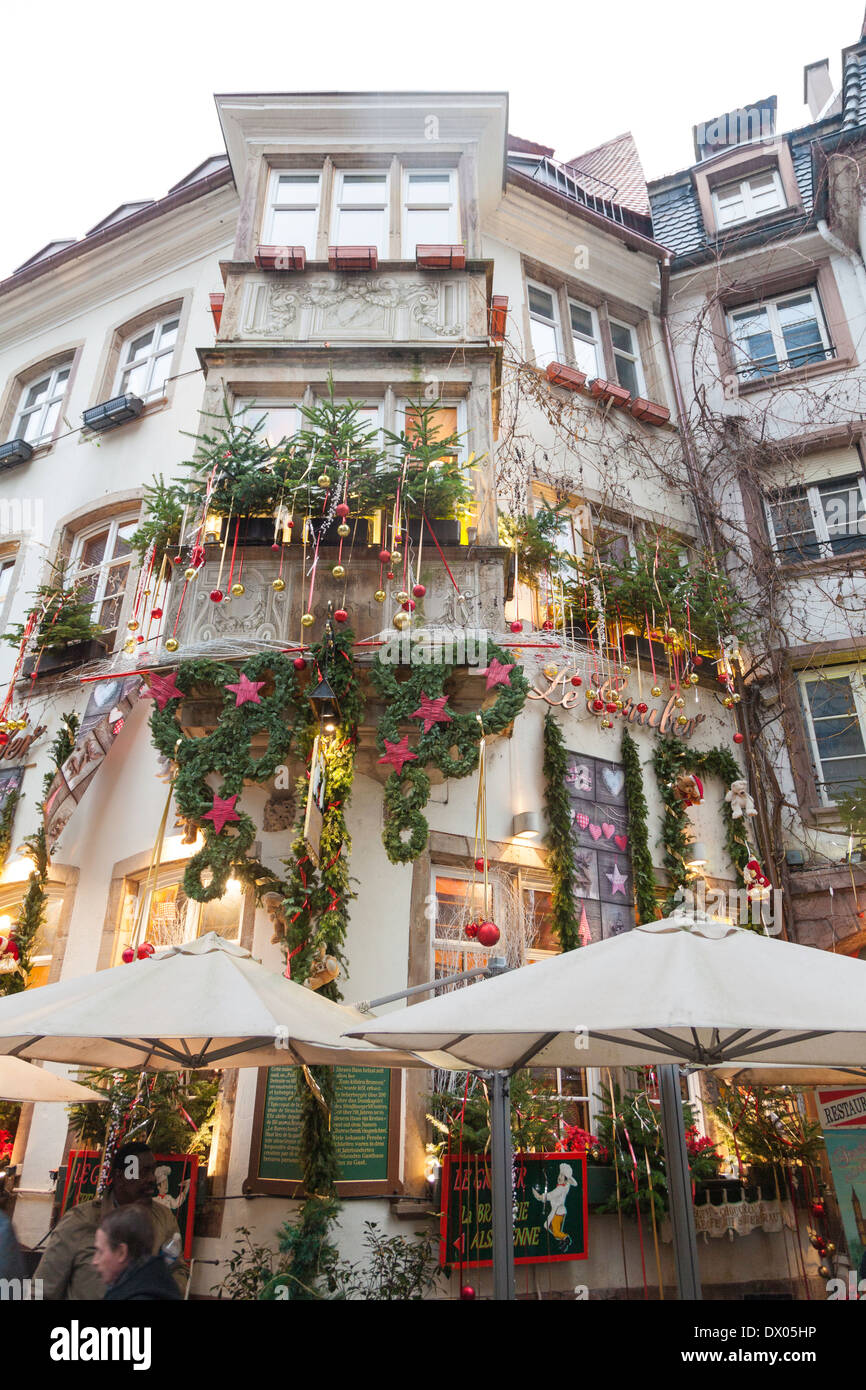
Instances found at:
x=324 y=704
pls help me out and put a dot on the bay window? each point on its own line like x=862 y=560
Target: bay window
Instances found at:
x=429 y=209
x=361 y=210
x=779 y=335
x=834 y=705
x=292 y=217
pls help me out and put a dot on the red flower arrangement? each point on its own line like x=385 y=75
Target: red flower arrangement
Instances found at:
x=5 y=1145
x=577 y=1138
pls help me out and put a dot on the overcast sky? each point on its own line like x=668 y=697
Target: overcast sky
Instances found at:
x=102 y=104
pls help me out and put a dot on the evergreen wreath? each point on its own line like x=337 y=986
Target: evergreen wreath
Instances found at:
x=641 y=858
x=559 y=841
x=450 y=746
x=671 y=758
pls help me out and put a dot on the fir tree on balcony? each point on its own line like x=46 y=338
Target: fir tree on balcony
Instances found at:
x=60 y=616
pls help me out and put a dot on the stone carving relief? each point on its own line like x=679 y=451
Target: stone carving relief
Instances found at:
x=384 y=307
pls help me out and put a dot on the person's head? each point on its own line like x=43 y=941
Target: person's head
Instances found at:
x=124 y=1236
x=133 y=1174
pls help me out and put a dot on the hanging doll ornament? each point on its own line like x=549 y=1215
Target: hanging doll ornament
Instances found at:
x=688 y=789
x=9 y=956
x=740 y=802
x=757 y=884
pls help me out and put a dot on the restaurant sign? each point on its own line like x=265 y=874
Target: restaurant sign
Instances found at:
x=550 y=1209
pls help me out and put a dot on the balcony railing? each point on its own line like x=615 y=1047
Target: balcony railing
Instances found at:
x=759 y=368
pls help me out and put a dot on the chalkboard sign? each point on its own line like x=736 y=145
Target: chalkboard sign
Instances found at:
x=364 y=1122
x=550 y=1209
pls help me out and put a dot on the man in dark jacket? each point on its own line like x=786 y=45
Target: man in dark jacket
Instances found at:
x=124 y=1239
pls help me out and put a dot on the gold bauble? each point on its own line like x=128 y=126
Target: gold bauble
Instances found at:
x=324 y=480
x=694 y=678
x=380 y=596
x=339 y=571
x=736 y=698
x=728 y=702
x=402 y=620
x=682 y=720
x=342 y=529
x=146 y=593
x=670 y=634
x=401 y=596
x=549 y=671
x=237 y=590
x=656 y=691
x=132 y=625
x=278 y=585
x=618 y=704
x=626 y=670
x=307 y=620
x=171 y=644
x=592 y=694
x=129 y=648
x=190 y=573
x=607 y=723
x=396 y=557
x=679 y=702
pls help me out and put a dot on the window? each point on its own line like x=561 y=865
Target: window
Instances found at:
x=835 y=709
x=568 y=539
x=273 y=423
x=101 y=556
x=544 y=326
x=293 y=210
x=444 y=421
x=40 y=405
x=627 y=358
x=145 y=360
x=170 y=917
x=817 y=522
x=457 y=901
x=612 y=543
x=585 y=339
x=779 y=335
x=42 y=948
x=361 y=213
x=7 y=568
x=429 y=209
x=753 y=197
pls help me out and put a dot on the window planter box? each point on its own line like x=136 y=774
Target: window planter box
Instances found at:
x=610 y=391
x=650 y=412
x=446 y=530
x=110 y=414
x=498 y=316
x=441 y=257
x=57 y=659
x=569 y=377
x=353 y=258
x=281 y=257
x=216 y=308
x=17 y=451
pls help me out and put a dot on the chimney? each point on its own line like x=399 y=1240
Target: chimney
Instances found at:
x=817 y=87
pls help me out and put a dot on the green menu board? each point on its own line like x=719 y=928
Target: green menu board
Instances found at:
x=359 y=1120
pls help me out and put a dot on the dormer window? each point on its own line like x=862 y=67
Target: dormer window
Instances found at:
x=748 y=198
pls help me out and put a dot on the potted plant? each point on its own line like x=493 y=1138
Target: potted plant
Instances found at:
x=60 y=629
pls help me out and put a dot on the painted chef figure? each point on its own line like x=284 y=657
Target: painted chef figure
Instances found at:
x=557 y=1200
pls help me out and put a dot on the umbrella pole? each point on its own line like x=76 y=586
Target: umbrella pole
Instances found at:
x=679 y=1185
x=502 y=1186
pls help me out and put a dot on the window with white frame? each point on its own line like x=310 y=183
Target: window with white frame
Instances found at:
x=361 y=210
x=272 y=421
x=145 y=360
x=745 y=199
x=39 y=407
x=456 y=901
x=429 y=209
x=168 y=917
x=834 y=704
x=7 y=569
x=779 y=335
x=586 y=344
x=544 y=321
x=292 y=217
x=816 y=522
x=101 y=559
x=43 y=944
x=626 y=356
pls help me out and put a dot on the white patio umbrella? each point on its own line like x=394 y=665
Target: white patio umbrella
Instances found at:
x=682 y=990
x=203 y=1004
x=19 y=1081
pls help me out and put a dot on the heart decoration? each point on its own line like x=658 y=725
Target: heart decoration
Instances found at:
x=581 y=820
x=595 y=831
x=620 y=841
x=608 y=829
x=613 y=779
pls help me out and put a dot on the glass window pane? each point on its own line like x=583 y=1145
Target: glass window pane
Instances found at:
x=538 y=918
x=845 y=514
x=544 y=347
x=585 y=357
x=622 y=337
x=159 y=374
x=86 y=587
x=37 y=392
x=581 y=321
x=295 y=227
x=49 y=419
x=121 y=540
x=223 y=915
x=361 y=227
x=115 y=580
x=61 y=377
x=46 y=936
x=298 y=188
x=457 y=900
x=93 y=550
x=541 y=302
x=427 y=226
x=754 y=341
x=28 y=426
x=139 y=347
x=626 y=372
x=168 y=334
x=429 y=188
x=794 y=528
x=166 y=919
x=840 y=778
x=134 y=381
x=364 y=188
x=6 y=569
x=612 y=546
x=830 y=697
x=800 y=330
x=109 y=613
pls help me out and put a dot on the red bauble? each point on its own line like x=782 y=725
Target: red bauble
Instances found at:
x=517 y=625
x=642 y=708
x=299 y=663
x=467 y=1293
x=471 y=930
x=275 y=546
x=723 y=677
x=548 y=625
x=340 y=615
x=479 y=864
x=390 y=574
x=12 y=950
x=738 y=738
x=145 y=950
x=139 y=638
x=419 y=590
x=384 y=556
x=4 y=739
x=598 y=706
x=611 y=707
x=408 y=605
x=216 y=595
x=177 y=560
x=488 y=934
x=342 y=509
x=697 y=660
x=290 y=526
x=577 y=680
x=156 y=612
x=128 y=955
x=817 y=1208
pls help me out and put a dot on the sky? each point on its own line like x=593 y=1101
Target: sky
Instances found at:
x=114 y=105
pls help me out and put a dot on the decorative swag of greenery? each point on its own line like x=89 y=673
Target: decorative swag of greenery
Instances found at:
x=641 y=859
x=670 y=759
x=451 y=747
x=560 y=846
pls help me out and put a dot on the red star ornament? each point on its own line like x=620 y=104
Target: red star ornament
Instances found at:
x=162 y=689
x=497 y=673
x=432 y=711
x=246 y=691
x=398 y=753
x=222 y=810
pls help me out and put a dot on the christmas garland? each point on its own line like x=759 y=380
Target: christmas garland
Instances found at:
x=641 y=858
x=560 y=847
x=447 y=740
x=7 y=819
x=671 y=758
